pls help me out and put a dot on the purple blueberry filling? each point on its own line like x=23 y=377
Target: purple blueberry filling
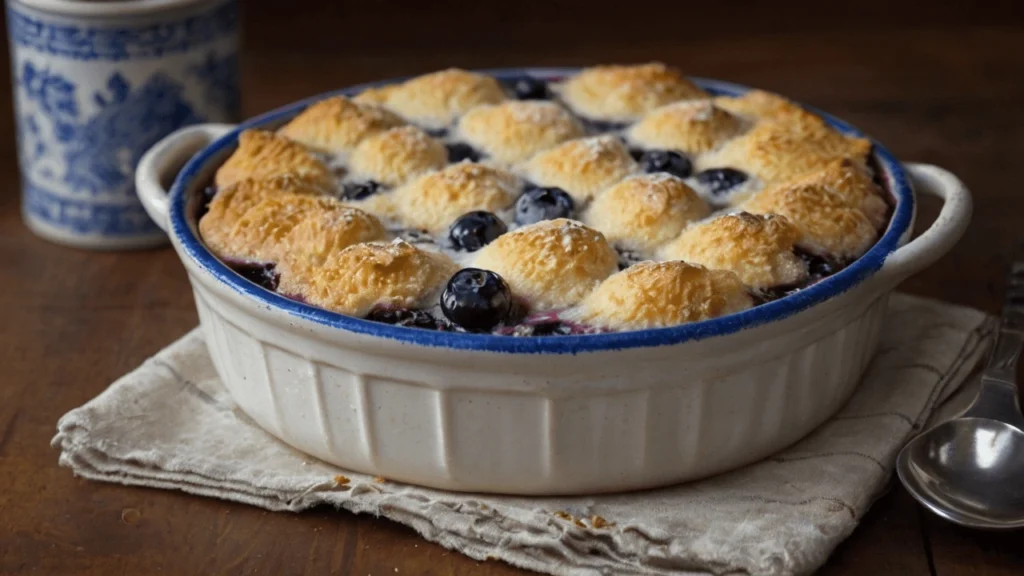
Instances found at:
x=818 y=268
x=360 y=190
x=721 y=180
x=547 y=324
x=205 y=197
x=668 y=161
x=262 y=274
x=627 y=257
x=408 y=318
x=459 y=151
x=602 y=126
x=415 y=236
x=529 y=88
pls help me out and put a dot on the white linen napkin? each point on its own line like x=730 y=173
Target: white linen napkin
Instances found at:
x=171 y=424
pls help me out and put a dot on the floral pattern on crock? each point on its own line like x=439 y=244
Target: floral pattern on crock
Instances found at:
x=100 y=154
x=91 y=100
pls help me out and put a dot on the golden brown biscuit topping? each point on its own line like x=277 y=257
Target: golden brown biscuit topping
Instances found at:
x=231 y=203
x=778 y=152
x=393 y=156
x=649 y=162
x=582 y=167
x=624 y=93
x=758 y=248
x=659 y=294
x=513 y=131
x=551 y=264
x=435 y=100
x=691 y=126
x=338 y=124
x=261 y=154
x=827 y=223
x=432 y=201
x=363 y=276
x=645 y=211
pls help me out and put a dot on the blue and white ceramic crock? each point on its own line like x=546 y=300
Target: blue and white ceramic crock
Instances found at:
x=98 y=83
x=544 y=415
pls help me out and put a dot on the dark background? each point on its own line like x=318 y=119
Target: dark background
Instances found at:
x=939 y=82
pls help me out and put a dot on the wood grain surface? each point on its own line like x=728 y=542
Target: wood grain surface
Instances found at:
x=943 y=85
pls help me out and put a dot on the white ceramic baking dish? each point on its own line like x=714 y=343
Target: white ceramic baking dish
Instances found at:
x=544 y=415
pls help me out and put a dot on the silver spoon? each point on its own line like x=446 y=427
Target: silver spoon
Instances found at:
x=971 y=470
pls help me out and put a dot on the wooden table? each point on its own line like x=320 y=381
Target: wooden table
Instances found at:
x=945 y=86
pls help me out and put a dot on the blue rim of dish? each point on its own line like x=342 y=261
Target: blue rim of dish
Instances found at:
x=773 y=311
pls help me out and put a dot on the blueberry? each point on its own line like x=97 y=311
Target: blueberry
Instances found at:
x=205 y=197
x=538 y=204
x=477 y=300
x=530 y=88
x=474 y=230
x=636 y=153
x=775 y=293
x=437 y=132
x=404 y=317
x=666 y=161
x=261 y=274
x=819 y=266
x=628 y=257
x=415 y=236
x=551 y=328
x=719 y=180
x=208 y=193
x=359 y=190
x=459 y=151
x=602 y=126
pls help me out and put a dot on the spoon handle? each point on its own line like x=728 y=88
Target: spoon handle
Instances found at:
x=1002 y=366
x=998 y=398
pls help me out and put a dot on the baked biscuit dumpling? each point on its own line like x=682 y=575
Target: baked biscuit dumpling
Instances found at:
x=435 y=100
x=690 y=126
x=337 y=124
x=659 y=294
x=550 y=264
x=261 y=154
x=295 y=228
x=761 y=105
x=758 y=248
x=314 y=203
x=581 y=167
x=513 y=131
x=377 y=96
x=393 y=156
x=432 y=201
x=624 y=93
x=233 y=201
x=828 y=225
x=852 y=182
x=776 y=152
x=324 y=231
x=361 y=277
x=644 y=211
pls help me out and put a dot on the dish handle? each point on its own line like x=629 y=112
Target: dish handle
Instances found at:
x=160 y=164
x=942 y=235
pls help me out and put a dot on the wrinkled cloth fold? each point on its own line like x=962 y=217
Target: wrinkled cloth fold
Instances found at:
x=171 y=424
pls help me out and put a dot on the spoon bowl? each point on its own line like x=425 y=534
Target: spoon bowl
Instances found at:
x=969 y=471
